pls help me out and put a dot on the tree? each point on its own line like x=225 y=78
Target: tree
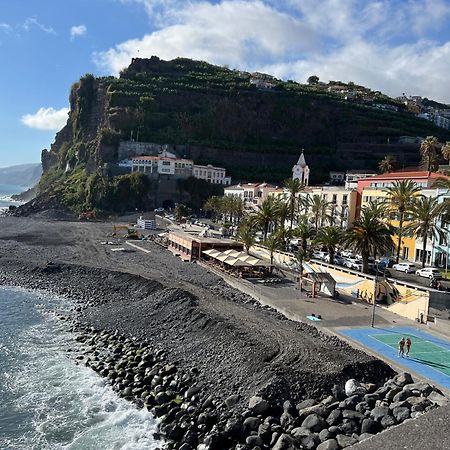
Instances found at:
x=428 y=151
x=387 y=164
x=368 y=235
x=330 y=237
x=399 y=200
x=272 y=243
x=214 y=206
x=180 y=212
x=293 y=188
x=318 y=206
x=282 y=212
x=313 y=79
x=425 y=213
x=246 y=234
x=265 y=215
x=304 y=232
x=445 y=150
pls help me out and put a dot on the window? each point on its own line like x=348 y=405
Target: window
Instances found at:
x=334 y=199
x=344 y=199
x=166 y=163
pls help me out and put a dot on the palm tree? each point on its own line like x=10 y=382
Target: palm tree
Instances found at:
x=445 y=150
x=284 y=235
x=246 y=234
x=265 y=215
x=304 y=232
x=214 y=206
x=272 y=243
x=425 y=213
x=319 y=210
x=369 y=235
x=387 y=164
x=293 y=188
x=282 y=211
x=428 y=151
x=330 y=237
x=399 y=199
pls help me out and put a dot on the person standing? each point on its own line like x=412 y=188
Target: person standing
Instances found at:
x=401 y=347
x=408 y=345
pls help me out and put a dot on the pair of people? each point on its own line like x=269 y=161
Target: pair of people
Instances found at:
x=401 y=346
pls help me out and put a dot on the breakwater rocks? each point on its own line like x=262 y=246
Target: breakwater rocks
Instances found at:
x=191 y=418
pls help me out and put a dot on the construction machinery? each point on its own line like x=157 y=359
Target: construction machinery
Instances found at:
x=87 y=215
x=131 y=232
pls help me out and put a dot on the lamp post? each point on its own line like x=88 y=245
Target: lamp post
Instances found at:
x=374 y=296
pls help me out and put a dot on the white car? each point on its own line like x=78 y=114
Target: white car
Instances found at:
x=404 y=267
x=429 y=272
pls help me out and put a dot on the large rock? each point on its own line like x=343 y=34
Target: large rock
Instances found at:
x=388 y=421
x=253 y=441
x=300 y=432
x=285 y=442
x=353 y=387
x=232 y=400
x=258 y=405
x=402 y=379
x=306 y=403
x=330 y=444
x=345 y=441
x=338 y=392
x=309 y=442
x=421 y=388
x=401 y=413
x=314 y=423
x=370 y=426
x=437 y=398
x=251 y=424
x=403 y=395
x=379 y=412
x=353 y=415
x=334 y=417
x=350 y=402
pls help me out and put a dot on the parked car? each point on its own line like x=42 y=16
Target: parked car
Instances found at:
x=339 y=260
x=404 y=267
x=320 y=255
x=429 y=272
x=353 y=263
x=386 y=261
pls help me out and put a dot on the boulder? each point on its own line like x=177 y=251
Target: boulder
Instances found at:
x=401 y=413
x=251 y=424
x=325 y=435
x=437 y=398
x=364 y=436
x=421 y=388
x=306 y=403
x=388 y=421
x=402 y=379
x=254 y=441
x=289 y=407
x=350 y=402
x=392 y=393
x=232 y=400
x=370 y=426
x=334 y=417
x=349 y=427
x=403 y=395
x=258 y=405
x=309 y=442
x=379 y=412
x=320 y=410
x=338 y=392
x=330 y=444
x=353 y=415
x=285 y=442
x=286 y=419
x=300 y=432
x=314 y=423
x=345 y=441
x=353 y=387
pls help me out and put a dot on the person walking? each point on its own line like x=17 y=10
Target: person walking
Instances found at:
x=408 y=345
x=401 y=347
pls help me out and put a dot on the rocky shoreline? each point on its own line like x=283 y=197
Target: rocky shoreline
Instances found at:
x=130 y=338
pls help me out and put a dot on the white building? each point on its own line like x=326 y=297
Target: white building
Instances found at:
x=253 y=194
x=337 y=177
x=161 y=165
x=352 y=177
x=147 y=223
x=301 y=170
x=214 y=175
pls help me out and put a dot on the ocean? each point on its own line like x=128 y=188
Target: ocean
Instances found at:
x=6 y=190
x=47 y=401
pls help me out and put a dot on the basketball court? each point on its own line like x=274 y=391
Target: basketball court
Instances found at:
x=429 y=356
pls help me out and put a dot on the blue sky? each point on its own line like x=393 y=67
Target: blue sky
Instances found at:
x=392 y=45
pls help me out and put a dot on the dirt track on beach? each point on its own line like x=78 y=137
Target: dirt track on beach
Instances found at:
x=199 y=321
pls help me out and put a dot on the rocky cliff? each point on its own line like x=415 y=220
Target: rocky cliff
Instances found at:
x=253 y=124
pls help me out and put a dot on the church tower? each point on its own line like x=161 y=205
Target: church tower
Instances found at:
x=301 y=171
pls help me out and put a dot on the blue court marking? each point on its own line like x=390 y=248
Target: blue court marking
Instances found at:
x=364 y=337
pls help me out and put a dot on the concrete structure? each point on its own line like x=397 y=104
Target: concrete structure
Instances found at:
x=214 y=175
x=301 y=170
x=441 y=121
x=189 y=246
x=147 y=222
x=253 y=194
x=352 y=177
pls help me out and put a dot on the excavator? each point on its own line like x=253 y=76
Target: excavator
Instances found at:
x=131 y=232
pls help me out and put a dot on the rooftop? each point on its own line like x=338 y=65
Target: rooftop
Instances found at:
x=421 y=174
x=204 y=240
x=160 y=158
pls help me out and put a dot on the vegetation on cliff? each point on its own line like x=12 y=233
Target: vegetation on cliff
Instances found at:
x=196 y=104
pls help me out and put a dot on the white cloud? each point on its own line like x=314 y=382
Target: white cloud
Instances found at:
x=31 y=22
x=388 y=45
x=46 y=119
x=77 y=30
x=5 y=27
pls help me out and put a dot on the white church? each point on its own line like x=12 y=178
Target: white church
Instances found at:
x=301 y=170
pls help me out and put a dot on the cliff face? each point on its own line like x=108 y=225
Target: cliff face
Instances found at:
x=252 y=124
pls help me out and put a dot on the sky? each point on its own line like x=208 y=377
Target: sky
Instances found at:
x=396 y=46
